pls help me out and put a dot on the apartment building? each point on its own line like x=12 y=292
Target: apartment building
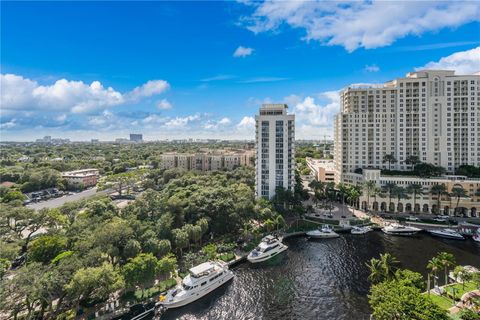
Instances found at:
x=82 y=178
x=431 y=114
x=275 y=149
x=322 y=169
x=209 y=160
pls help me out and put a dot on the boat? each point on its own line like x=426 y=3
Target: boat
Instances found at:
x=269 y=247
x=446 y=233
x=360 y=230
x=326 y=232
x=201 y=280
x=476 y=236
x=400 y=230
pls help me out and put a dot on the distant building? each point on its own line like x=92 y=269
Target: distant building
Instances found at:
x=275 y=150
x=84 y=177
x=136 y=137
x=94 y=141
x=322 y=169
x=208 y=160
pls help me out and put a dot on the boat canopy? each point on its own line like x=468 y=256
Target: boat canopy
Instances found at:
x=202 y=269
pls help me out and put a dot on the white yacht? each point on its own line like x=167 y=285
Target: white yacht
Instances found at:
x=400 y=230
x=476 y=236
x=360 y=230
x=202 y=279
x=446 y=233
x=268 y=248
x=324 y=233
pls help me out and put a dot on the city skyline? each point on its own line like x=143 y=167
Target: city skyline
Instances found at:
x=186 y=70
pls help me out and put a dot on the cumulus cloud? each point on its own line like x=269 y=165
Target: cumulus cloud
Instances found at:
x=246 y=123
x=181 y=122
x=21 y=94
x=151 y=88
x=164 y=104
x=242 y=52
x=463 y=62
x=360 y=24
x=372 y=68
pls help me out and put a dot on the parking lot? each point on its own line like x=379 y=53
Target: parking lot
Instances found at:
x=58 y=202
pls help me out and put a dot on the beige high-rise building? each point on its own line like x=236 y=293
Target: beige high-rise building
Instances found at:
x=431 y=114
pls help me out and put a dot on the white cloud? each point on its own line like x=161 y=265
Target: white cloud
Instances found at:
x=8 y=125
x=463 y=62
x=360 y=24
x=181 y=122
x=164 y=104
x=22 y=94
x=151 y=88
x=263 y=79
x=246 y=123
x=371 y=68
x=242 y=52
x=224 y=121
x=219 y=77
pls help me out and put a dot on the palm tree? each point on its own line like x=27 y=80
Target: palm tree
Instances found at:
x=375 y=192
x=413 y=161
x=439 y=190
x=390 y=158
x=389 y=264
x=353 y=195
x=400 y=193
x=434 y=265
x=447 y=260
x=458 y=192
x=389 y=187
x=368 y=187
x=376 y=271
x=415 y=189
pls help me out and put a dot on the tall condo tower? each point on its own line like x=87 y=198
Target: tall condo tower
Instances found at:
x=275 y=150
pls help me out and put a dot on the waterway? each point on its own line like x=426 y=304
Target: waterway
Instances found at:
x=321 y=279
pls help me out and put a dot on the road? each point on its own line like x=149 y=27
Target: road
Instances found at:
x=58 y=202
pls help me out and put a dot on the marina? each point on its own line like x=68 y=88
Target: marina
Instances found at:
x=318 y=280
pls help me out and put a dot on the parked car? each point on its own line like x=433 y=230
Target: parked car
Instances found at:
x=412 y=218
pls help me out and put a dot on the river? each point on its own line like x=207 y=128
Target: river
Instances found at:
x=321 y=279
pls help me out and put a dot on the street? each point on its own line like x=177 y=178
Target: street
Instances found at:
x=58 y=202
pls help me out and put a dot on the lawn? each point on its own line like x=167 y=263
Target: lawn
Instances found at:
x=447 y=302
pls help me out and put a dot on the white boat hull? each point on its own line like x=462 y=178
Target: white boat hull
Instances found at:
x=447 y=236
x=476 y=238
x=315 y=235
x=267 y=256
x=399 y=233
x=197 y=295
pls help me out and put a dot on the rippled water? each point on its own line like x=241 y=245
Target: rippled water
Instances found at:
x=321 y=279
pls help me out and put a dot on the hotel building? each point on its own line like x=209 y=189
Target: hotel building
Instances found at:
x=275 y=150
x=431 y=114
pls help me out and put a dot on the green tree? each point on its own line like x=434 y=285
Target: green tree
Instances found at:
x=438 y=190
x=433 y=265
x=44 y=248
x=140 y=271
x=210 y=250
x=389 y=188
x=394 y=300
x=400 y=193
x=390 y=158
x=447 y=260
x=369 y=189
x=13 y=195
x=383 y=269
x=414 y=189
x=458 y=192
x=167 y=265
x=180 y=239
x=413 y=161
x=94 y=283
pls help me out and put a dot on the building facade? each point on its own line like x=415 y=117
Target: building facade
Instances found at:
x=136 y=137
x=322 y=169
x=432 y=114
x=207 y=161
x=275 y=150
x=425 y=202
x=82 y=178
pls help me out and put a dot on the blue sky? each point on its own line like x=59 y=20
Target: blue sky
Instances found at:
x=201 y=69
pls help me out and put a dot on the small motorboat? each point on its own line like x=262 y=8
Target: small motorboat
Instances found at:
x=268 y=248
x=360 y=230
x=476 y=236
x=326 y=232
x=446 y=233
